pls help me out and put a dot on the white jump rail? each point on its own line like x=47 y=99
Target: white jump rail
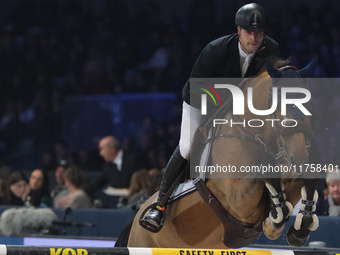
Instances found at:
x=43 y=250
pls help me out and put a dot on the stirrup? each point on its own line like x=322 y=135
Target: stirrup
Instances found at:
x=147 y=225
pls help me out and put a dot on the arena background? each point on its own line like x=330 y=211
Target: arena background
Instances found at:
x=57 y=53
x=74 y=71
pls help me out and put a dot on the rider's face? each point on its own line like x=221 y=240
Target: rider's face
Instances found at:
x=250 y=41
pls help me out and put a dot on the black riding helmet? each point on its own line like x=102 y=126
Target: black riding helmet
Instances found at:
x=252 y=17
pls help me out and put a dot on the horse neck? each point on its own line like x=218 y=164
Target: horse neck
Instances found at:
x=261 y=93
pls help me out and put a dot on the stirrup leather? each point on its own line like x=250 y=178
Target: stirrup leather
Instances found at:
x=147 y=225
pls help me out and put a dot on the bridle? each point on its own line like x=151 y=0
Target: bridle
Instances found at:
x=285 y=132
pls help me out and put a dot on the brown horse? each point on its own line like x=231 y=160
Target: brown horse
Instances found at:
x=233 y=211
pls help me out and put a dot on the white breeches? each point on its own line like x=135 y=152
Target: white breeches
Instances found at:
x=191 y=119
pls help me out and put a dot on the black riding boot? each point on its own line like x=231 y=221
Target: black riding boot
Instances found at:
x=174 y=167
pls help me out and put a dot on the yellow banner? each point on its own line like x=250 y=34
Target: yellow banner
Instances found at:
x=159 y=251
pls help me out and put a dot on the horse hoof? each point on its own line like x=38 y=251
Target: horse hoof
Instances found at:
x=270 y=231
x=293 y=240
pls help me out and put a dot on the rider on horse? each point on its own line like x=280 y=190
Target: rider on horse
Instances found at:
x=249 y=47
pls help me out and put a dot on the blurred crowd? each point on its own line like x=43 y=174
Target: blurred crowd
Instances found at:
x=57 y=48
x=123 y=171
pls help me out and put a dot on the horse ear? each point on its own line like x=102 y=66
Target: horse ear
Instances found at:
x=274 y=73
x=307 y=71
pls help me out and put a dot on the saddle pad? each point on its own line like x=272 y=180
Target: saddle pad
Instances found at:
x=188 y=186
x=182 y=190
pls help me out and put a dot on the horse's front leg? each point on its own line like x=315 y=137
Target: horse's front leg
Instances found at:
x=280 y=209
x=306 y=220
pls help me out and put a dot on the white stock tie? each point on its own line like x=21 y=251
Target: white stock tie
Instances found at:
x=245 y=65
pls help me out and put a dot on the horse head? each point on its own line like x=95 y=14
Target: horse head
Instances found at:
x=295 y=133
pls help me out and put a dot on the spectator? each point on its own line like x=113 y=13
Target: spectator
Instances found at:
x=118 y=168
x=77 y=198
x=330 y=205
x=153 y=172
x=39 y=189
x=17 y=189
x=60 y=190
x=140 y=189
